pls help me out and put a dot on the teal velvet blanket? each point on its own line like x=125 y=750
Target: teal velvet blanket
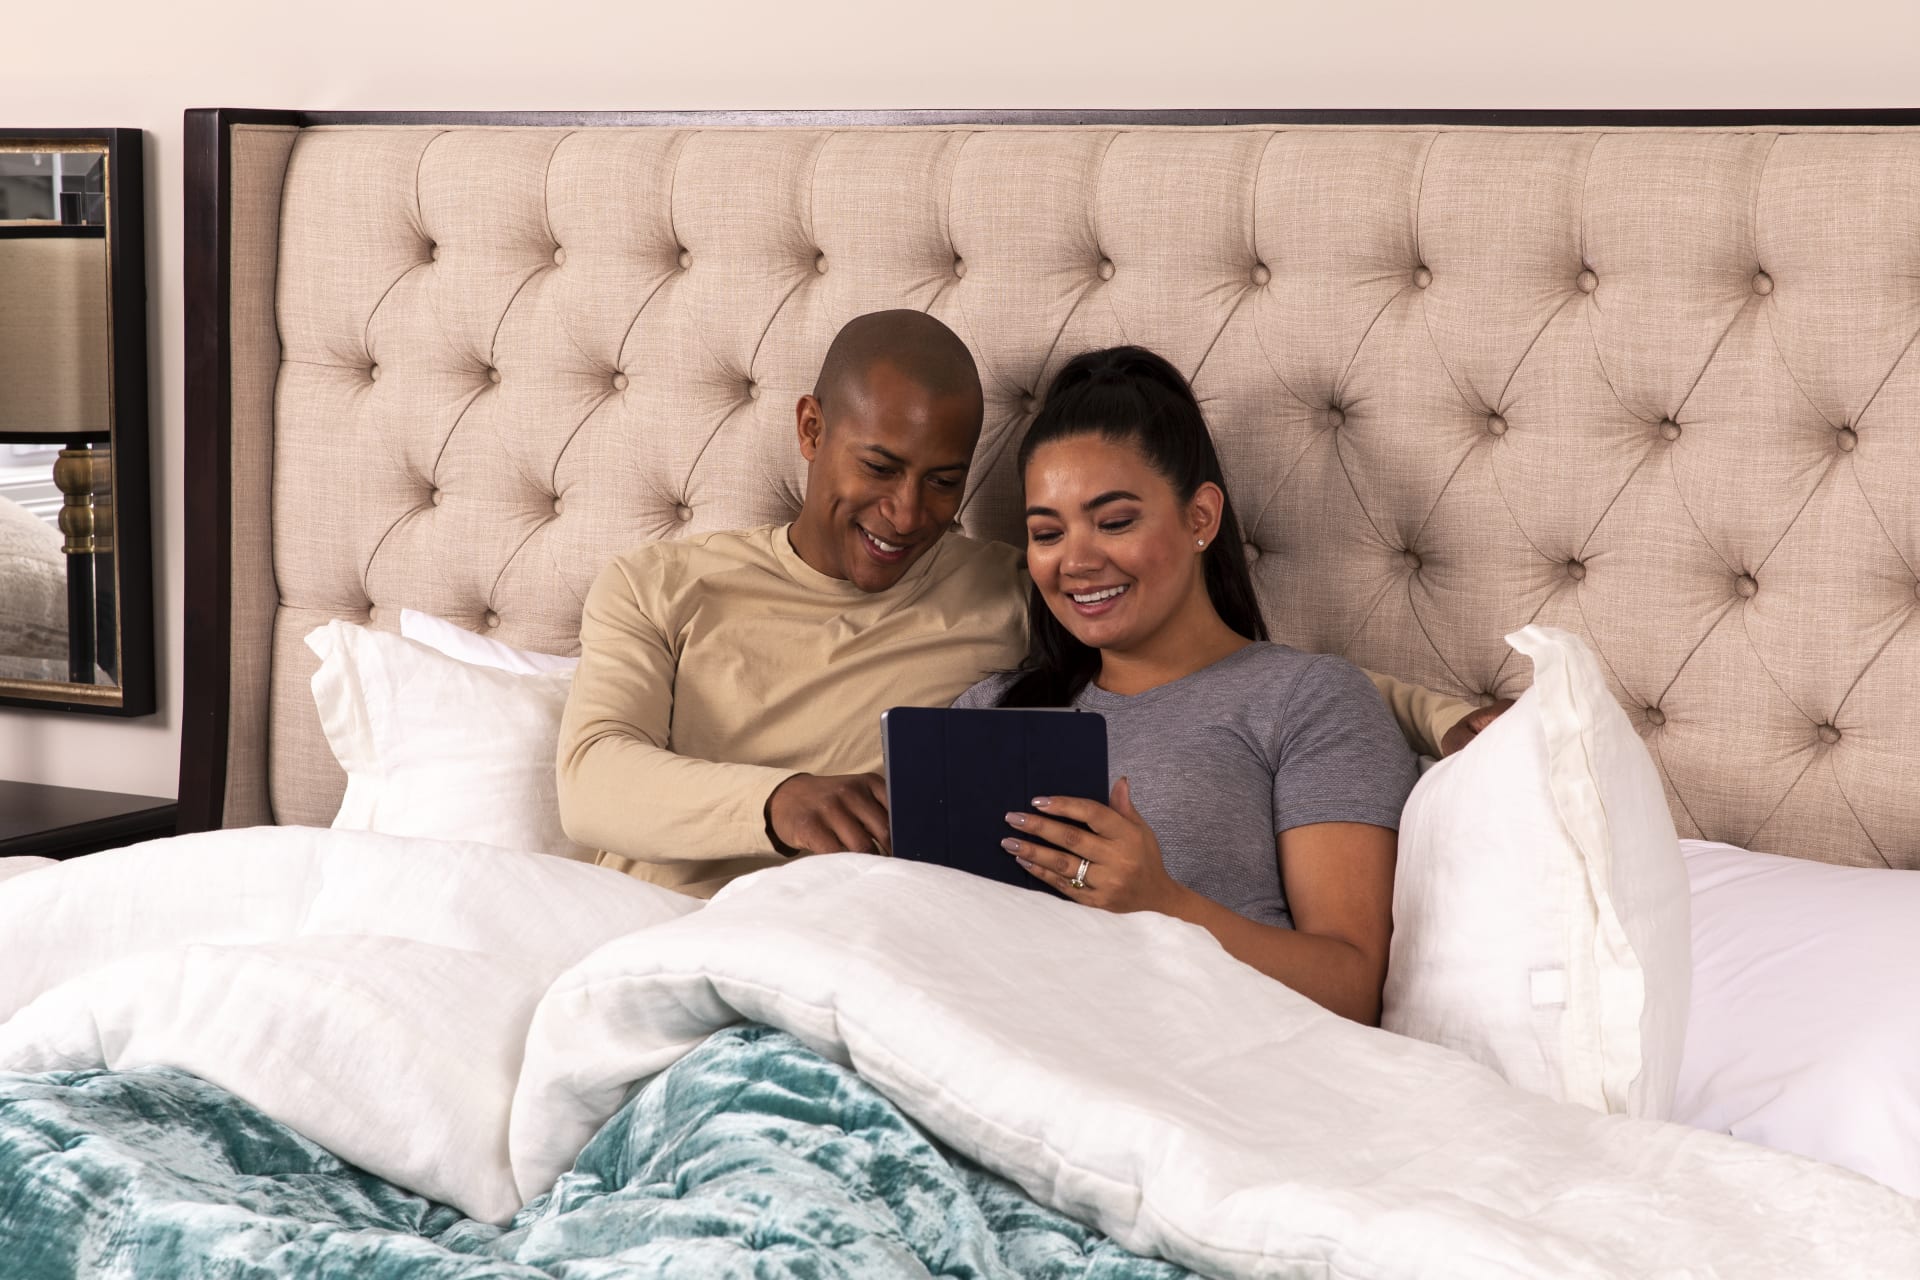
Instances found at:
x=751 y=1157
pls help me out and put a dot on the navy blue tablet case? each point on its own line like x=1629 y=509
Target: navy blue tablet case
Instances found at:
x=954 y=775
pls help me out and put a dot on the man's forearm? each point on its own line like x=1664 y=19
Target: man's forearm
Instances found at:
x=644 y=802
x=1424 y=715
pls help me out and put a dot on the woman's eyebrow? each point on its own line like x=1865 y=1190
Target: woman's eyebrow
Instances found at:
x=1111 y=495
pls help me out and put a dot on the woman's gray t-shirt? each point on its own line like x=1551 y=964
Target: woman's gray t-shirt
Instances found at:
x=1222 y=761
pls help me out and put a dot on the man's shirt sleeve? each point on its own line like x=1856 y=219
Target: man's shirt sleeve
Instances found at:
x=622 y=789
x=1424 y=716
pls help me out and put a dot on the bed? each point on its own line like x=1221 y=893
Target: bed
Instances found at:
x=1649 y=381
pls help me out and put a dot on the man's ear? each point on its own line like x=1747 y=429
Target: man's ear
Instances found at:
x=1203 y=512
x=810 y=422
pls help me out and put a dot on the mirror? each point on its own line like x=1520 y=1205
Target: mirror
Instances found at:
x=76 y=629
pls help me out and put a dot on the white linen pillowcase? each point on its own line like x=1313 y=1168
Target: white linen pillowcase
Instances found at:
x=433 y=746
x=1540 y=904
x=1805 y=1035
x=456 y=641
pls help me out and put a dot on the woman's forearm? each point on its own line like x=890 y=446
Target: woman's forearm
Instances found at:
x=1332 y=973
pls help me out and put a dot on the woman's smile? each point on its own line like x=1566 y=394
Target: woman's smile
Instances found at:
x=1097 y=602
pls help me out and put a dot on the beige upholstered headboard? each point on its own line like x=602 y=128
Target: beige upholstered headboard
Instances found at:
x=1655 y=385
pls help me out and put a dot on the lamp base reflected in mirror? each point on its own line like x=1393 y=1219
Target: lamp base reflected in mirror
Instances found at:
x=84 y=475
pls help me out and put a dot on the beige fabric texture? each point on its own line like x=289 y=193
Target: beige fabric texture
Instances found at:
x=258 y=154
x=1654 y=386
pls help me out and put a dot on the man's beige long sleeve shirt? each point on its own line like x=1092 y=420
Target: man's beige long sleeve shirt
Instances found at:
x=714 y=669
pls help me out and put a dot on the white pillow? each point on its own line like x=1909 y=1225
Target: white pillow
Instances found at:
x=437 y=747
x=1805 y=1033
x=456 y=641
x=1540 y=903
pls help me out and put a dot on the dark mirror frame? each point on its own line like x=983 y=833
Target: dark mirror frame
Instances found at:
x=131 y=478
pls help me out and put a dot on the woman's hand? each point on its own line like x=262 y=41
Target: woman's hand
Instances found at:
x=1124 y=871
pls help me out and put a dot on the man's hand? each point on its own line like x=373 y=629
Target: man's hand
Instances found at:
x=831 y=814
x=1471 y=724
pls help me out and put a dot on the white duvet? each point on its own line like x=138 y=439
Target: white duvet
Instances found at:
x=461 y=1019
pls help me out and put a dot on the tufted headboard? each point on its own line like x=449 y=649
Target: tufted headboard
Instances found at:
x=1653 y=383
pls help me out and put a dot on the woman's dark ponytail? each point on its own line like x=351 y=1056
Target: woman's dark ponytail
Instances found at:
x=1130 y=394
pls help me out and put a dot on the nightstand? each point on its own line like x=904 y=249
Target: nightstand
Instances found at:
x=65 y=822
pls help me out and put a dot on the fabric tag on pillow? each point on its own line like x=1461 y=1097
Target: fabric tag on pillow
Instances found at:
x=1548 y=987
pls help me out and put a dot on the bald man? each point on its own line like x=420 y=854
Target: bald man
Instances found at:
x=726 y=711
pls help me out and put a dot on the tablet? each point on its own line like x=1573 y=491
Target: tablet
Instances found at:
x=953 y=776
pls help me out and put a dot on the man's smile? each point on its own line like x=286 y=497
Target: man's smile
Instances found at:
x=880 y=549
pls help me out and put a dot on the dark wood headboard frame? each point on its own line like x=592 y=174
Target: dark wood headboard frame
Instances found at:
x=208 y=515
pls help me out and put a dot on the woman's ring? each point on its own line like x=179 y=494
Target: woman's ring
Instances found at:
x=1079 y=880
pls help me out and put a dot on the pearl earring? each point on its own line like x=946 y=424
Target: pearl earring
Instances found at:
x=1200 y=542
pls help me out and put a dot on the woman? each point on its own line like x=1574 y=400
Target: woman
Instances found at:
x=1259 y=788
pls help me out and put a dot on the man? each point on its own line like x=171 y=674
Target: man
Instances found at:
x=726 y=711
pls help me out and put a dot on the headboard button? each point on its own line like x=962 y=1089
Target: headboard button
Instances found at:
x=753 y=391
x=1576 y=570
x=1411 y=559
x=1496 y=425
x=1587 y=281
x=1828 y=734
x=683 y=513
x=820 y=262
x=559 y=256
x=1260 y=275
x=1669 y=429
x=491 y=619
x=1845 y=439
x=1253 y=553
x=1029 y=404
x=1422 y=277
x=686 y=259
x=1656 y=717
x=1105 y=269
x=1762 y=283
x=373 y=373
x=493 y=375
x=1745 y=586
x=960 y=267
x=1336 y=416
x=619 y=382
x=436 y=496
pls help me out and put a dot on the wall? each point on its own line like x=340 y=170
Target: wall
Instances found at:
x=141 y=65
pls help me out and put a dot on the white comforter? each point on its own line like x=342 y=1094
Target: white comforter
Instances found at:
x=460 y=1020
